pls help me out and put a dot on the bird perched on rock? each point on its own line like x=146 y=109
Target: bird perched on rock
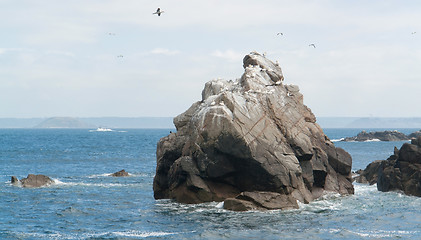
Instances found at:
x=158 y=11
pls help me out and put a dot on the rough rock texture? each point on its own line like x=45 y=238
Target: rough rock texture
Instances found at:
x=121 y=173
x=251 y=135
x=260 y=201
x=400 y=172
x=369 y=174
x=382 y=136
x=32 y=181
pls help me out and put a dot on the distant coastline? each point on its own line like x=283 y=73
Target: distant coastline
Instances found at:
x=369 y=122
x=92 y=122
x=167 y=122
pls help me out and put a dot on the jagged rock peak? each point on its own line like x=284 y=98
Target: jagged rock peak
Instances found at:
x=250 y=135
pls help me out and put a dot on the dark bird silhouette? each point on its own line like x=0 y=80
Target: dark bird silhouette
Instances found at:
x=279 y=33
x=158 y=11
x=312 y=45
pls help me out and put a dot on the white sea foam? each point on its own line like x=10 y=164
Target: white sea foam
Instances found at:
x=108 y=175
x=104 y=185
x=384 y=233
x=337 y=140
x=100 y=175
x=220 y=205
x=142 y=234
x=373 y=140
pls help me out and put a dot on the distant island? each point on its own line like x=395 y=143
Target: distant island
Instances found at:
x=64 y=122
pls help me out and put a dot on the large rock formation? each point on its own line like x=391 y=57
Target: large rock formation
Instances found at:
x=400 y=172
x=250 y=140
x=32 y=181
x=379 y=136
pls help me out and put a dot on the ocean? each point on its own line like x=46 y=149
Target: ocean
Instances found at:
x=85 y=203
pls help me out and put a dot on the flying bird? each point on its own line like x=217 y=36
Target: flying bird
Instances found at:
x=312 y=45
x=279 y=33
x=158 y=11
x=111 y=34
x=413 y=32
x=120 y=56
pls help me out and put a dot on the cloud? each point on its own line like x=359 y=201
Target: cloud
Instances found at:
x=164 y=51
x=229 y=55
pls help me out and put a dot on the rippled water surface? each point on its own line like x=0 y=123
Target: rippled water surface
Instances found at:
x=85 y=203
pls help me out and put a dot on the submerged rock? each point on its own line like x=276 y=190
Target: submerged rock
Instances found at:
x=400 y=172
x=32 y=181
x=379 y=136
x=246 y=137
x=121 y=173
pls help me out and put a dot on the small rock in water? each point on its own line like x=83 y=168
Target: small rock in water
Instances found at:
x=32 y=181
x=121 y=173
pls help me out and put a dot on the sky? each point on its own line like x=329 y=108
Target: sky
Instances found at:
x=98 y=58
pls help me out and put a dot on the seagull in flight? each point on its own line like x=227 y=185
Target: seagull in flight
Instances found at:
x=413 y=33
x=120 y=56
x=279 y=33
x=158 y=11
x=312 y=45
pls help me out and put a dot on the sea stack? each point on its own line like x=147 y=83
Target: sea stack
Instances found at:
x=251 y=143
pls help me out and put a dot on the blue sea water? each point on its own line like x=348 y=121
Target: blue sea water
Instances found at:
x=85 y=203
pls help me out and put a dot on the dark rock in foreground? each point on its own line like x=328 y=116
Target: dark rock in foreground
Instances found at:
x=251 y=142
x=121 y=173
x=32 y=181
x=380 y=136
x=400 y=172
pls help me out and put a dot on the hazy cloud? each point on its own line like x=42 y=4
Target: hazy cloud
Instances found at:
x=164 y=51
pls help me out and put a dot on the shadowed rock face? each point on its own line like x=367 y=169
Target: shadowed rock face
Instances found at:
x=32 y=181
x=250 y=135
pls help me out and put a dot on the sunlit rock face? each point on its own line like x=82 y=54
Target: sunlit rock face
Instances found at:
x=250 y=140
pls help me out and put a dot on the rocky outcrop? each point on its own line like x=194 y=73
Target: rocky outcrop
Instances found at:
x=400 y=172
x=379 y=136
x=415 y=134
x=121 y=173
x=369 y=174
x=32 y=181
x=251 y=142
